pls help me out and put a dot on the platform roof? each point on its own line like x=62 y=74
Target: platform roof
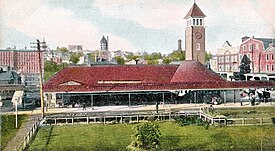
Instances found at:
x=189 y=75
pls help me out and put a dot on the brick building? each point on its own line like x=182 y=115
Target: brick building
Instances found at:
x=24 y=62
x=261 y=52
x=195 y=34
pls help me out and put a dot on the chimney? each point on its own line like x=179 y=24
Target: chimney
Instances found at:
x=179 y=45
x=245 y=38
x=107 y=38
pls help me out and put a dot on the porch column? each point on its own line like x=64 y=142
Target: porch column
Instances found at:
x=195 y=97
x=224 y=97
x=129 y=96
x=92 y=101
x=234 y=100
x=163 y=97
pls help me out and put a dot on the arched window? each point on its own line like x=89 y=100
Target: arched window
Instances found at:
x=198 y=46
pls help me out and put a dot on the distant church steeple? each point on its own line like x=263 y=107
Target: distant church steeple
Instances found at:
x=104 y=43
x=104 y=54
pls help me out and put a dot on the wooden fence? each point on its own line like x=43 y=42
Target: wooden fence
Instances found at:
x=29 y=137
x=136 y=118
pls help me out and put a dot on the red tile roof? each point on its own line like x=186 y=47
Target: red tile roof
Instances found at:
x=91 y=76
x=193 y=71
x=195 y=11
x=189 y=75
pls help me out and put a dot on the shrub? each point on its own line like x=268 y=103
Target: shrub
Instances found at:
x=189 y=120
x=273 y=120
x=145 y=137
x=126 y=120
x=151 y=118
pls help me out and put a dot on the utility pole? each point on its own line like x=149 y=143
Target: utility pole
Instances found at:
x=252 y=50
x=40 y=73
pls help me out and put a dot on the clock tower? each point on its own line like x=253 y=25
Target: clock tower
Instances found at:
x=195 y=35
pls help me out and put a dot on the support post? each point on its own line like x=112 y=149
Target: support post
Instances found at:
x=195 y=97
x=163 y=98
x=234 y=99
x=137 y=119
x=224 y=97
x=261 y=121
x=92 y=101
x=129 y=96
x=16 y=112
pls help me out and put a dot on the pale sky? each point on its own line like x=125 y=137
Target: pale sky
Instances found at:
x=144 y=25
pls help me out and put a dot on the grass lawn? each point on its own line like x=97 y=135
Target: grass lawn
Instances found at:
x=8 y=130
x=118 y=136
x=265 y=112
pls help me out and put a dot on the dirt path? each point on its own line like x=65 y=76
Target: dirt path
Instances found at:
x=22 y=133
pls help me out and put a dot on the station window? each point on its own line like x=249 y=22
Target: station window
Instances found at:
x=257 y=46
x=267 y=67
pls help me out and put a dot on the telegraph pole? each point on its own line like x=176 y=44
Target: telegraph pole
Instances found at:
x=40 y=74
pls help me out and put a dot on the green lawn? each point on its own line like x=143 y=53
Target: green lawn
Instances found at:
x=8 y=129
x=174 y=137
x=265 y=112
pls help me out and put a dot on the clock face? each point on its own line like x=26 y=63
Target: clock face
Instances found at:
x=198 y=35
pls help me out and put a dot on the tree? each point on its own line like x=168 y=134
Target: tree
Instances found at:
x=132 y=57
x=152 y=62
x=177 y=55
x=245 y=65
x=50 y=66
x=166 y=60
x=119 y=60
x=74 y=58
x=207 y=56
x=145 y=137
x=63 y=49
x=93 y=56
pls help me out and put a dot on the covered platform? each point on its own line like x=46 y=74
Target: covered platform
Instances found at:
x=129 y=85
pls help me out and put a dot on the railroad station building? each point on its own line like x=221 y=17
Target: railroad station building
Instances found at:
x=139 y=85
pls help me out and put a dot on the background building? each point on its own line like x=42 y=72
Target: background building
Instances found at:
x=75 y=48
x=261 y=53
x=228 y=58
x=24 y=62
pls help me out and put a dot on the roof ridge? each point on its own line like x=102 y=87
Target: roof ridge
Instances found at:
x=194 y=11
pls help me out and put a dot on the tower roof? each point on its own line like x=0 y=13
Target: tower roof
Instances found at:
x=195 y=11
x=103 y=40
